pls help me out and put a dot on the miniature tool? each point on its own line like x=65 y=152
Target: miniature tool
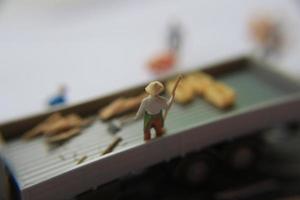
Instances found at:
x=112 y=145
x=116 y=125
x=173 y=95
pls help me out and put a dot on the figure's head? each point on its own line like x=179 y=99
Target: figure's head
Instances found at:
x=154 y=88
x=62 y=89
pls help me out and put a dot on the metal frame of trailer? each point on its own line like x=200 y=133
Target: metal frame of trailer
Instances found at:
x=265 y=97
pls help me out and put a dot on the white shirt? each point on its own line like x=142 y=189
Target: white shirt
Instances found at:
x=153 y=105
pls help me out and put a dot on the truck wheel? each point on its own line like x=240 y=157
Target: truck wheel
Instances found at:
x=194 y=170
x=242 y=156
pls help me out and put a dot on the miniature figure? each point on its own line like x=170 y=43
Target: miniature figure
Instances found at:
x=59 y=98
x=175 y=37
x=162 y=62
x=267 y=34
x=152 y=108
x=168 y=59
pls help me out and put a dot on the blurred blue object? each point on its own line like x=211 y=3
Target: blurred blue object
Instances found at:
x=59 y=98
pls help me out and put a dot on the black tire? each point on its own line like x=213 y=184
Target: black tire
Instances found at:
x=194 y=170
x=242 y=155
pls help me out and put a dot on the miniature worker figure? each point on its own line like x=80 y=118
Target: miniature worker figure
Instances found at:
x=168 y=59
x=152 y=108
x=59 y=98
x=175 y=37
x=267 y=33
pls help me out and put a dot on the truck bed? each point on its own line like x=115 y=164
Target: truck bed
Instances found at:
x=264 y=97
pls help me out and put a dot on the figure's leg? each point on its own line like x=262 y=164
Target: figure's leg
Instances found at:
x=147 y=133
x=159 y=127
x=147 y=127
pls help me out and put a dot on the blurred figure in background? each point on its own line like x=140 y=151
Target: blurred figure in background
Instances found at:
x=267 y=34
x=59 y=98
x=168 y=59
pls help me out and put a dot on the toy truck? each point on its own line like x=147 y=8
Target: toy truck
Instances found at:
x=29 y=170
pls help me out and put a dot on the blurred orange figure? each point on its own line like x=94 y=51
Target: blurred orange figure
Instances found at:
x=168 y=59
x=162 y=62
x=266 y=32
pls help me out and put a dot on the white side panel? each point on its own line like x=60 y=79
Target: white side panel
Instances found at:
x=119 y=164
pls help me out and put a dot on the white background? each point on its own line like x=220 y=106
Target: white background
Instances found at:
x=98 y=46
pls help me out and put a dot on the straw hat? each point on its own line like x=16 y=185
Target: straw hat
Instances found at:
x=154 y=88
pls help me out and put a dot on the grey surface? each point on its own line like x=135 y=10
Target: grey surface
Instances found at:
x=32 y=162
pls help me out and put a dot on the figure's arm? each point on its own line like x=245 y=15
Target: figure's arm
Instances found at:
x=170 y=100
x=141 y=110
x=167 y=101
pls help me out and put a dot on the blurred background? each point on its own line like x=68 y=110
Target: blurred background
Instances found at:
x=95 y=47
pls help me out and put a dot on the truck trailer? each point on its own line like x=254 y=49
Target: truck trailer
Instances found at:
x=30 y=170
